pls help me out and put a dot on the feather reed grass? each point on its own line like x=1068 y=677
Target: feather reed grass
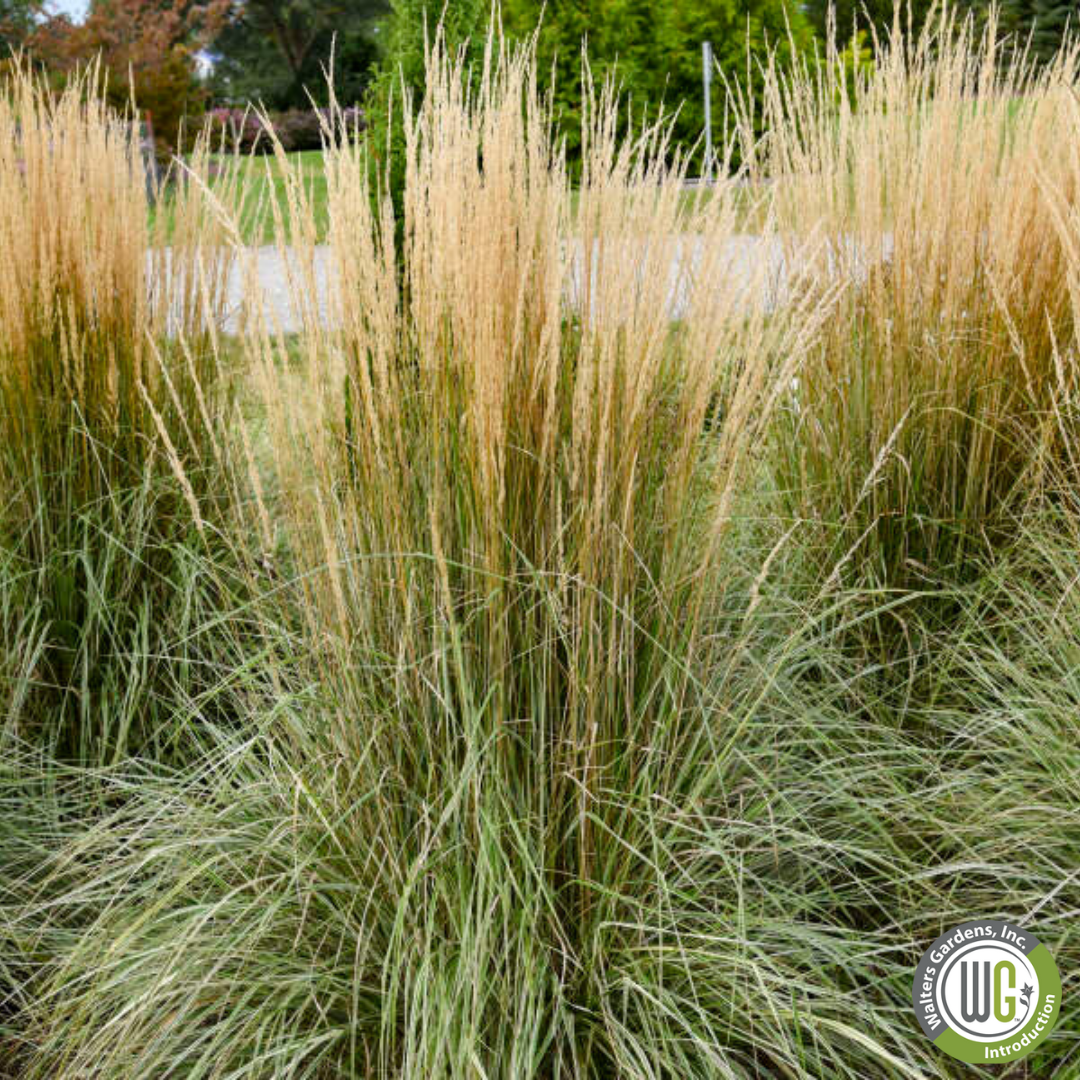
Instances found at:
x=920 y=421
x=517 y=505
x=111 y=388
x=504 y=839
x=90 y=296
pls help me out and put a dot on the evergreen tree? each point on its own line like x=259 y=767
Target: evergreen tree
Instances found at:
x=874 y=16
x=1040 y=26
x=1053 y=24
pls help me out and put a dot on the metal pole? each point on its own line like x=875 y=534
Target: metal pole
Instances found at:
x=706 y=70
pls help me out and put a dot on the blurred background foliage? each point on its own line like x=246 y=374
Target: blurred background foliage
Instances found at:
x=177 y=59
x=278 y=53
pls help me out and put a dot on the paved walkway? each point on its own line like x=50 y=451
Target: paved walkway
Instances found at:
x=750 y=270
x=749 y=266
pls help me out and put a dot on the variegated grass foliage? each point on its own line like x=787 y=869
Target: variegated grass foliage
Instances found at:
x=511 y=468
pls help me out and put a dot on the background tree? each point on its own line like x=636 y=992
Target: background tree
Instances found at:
x=874 y=16
x=17 y=20
x=410 y=26
x=147 y=49
x=276 y=51
x=655 y=49
x=1046 y=24
x=412 y=23
x=566 y=24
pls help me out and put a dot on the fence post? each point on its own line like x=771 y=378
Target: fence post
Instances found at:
x=706 y=71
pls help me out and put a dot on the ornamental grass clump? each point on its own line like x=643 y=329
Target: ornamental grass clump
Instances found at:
x=507 y=472
x=511 y=468
x=75 y=309
x=515 y=401
x=91 y=296
x=925 y=412
x=110 y=390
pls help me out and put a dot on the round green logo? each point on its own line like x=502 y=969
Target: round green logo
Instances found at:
x=987 y=992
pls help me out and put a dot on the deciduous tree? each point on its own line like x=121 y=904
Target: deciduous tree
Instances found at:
x=276 y=51
x=17 y=18
x=249 y=68
x=146 y=48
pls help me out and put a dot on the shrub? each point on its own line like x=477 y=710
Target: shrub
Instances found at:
x=299 y=129
x=251 y=132
x=242 y=130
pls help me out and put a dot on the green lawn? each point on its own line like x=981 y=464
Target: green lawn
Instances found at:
x=263 y=175
x=266 y=186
